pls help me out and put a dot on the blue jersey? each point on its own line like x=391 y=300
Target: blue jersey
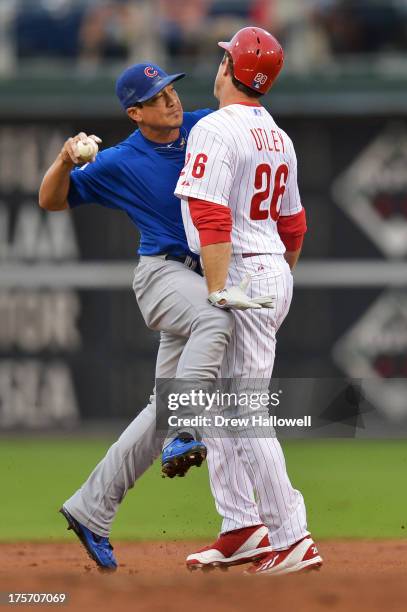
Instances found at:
x=139 y=177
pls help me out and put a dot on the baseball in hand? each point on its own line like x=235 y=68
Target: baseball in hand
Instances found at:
x=86 y=149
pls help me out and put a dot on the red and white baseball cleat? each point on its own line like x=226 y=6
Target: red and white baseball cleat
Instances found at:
x=233 y=548
x=302 y=555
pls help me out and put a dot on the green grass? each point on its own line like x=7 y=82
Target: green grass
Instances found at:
x=352 y=489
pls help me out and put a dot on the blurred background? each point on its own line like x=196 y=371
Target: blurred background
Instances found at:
x=94 y=36
x=74 y=351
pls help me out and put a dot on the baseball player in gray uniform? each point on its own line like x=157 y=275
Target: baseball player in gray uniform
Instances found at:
x=138 y=176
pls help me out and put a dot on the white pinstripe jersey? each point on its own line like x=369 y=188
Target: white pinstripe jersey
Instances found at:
x=239 y=157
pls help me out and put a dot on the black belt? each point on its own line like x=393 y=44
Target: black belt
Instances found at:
x=244 y=255
x=188 y=261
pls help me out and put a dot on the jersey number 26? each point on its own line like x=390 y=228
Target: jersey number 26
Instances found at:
x=257 y=213
x=199 y=168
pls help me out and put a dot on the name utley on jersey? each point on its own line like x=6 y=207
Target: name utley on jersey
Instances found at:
x=240 y=158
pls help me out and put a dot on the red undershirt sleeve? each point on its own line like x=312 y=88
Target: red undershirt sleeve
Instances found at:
x=291 y=229
x=213 y=221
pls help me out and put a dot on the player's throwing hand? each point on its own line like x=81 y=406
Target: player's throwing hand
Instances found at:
x=81 y=149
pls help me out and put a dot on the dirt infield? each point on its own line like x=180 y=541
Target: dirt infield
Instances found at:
x=357 y=576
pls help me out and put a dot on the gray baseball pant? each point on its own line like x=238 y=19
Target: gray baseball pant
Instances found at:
x=194 y=336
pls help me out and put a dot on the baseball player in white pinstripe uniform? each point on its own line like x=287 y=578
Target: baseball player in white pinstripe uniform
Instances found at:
x=243 y=214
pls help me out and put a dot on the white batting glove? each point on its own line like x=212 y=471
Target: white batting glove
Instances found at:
x=265 y=301
x=232 y=297
x=236 y=298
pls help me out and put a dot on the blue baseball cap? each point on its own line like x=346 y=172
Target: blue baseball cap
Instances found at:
x=142 y=82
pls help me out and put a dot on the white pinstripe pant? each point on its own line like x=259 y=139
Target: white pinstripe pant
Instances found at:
x=250 y=355
x=232 y=463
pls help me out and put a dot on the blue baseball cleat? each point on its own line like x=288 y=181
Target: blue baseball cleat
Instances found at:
x=181 y=454
x=98 y=547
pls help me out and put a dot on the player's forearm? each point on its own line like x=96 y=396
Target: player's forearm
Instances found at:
x=54 y=188
x=292 y=257
x=214 y=224
x=216 y=259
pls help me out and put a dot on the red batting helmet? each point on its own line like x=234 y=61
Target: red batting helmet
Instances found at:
x=257 y=58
